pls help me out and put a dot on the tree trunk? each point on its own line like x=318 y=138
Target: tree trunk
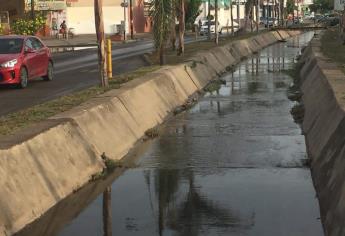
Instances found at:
x=131 y=18
x=257 y=15
x=162 y=54
x=173 y=32
x=101 y=42
x=209 y=20
x=251 y=17
x=216 y=22
x=33 y=9
x=182 y=27
x=238 y=14
x=232 y=20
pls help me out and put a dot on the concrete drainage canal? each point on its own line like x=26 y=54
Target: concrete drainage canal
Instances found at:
x=234 y=164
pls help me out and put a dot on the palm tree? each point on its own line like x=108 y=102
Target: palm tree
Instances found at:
x=161 y=12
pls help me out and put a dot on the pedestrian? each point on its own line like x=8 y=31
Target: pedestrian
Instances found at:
x=63 y=29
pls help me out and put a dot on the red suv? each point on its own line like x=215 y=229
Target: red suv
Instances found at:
x=23 y=58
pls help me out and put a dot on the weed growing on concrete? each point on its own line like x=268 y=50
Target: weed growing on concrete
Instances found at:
x=152 y=133
x=215 y=85
x=297 y=112
x=188 y=105
x=109 y=166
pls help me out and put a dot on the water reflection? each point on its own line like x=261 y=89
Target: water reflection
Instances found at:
x=107 y=219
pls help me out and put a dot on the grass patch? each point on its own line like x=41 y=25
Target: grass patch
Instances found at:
x=333 y=48
x=109 y=167
x=12 y=122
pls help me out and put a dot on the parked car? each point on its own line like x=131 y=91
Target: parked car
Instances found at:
x=204 y=27
x=270 y=21
x=23 y=58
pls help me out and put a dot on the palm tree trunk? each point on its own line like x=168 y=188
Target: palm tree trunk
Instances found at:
x=257 y=15
x=251 y=17
x=162 y=54
x=182 y=27
x=33 y=9
x=173 y=37
x=216 y=22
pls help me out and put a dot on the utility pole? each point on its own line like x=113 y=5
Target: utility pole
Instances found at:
x=232 y=19
x=101 y=42
x=216 y=22
x=238 y=14
x=131 y=18
x=209 y=20
x=33 y=9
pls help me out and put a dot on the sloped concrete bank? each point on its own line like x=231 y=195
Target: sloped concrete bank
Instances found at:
x=42 y=165
x=323 y=88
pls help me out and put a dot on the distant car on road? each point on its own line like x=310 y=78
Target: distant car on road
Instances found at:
x=204 y=27
x=23 y=58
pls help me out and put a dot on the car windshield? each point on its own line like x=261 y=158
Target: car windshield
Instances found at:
x=11 y=46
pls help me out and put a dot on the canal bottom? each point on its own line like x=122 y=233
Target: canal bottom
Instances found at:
x=232 y=165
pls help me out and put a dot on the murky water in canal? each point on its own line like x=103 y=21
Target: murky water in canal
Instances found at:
x=232 y=165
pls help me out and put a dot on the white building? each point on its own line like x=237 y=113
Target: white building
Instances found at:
x=224 y=14
x=339 y=5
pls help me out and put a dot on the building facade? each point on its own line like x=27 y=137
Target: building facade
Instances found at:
x=79 y=14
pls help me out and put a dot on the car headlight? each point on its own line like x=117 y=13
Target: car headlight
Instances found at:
x=9 y=64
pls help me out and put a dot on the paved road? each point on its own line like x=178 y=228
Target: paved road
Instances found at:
x=74 y=71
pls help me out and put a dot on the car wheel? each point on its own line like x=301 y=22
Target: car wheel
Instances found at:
x=23 y=78
x=50 y=72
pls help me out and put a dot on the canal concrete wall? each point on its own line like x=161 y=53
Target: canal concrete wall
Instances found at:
x=43 y=164
x=323 y=86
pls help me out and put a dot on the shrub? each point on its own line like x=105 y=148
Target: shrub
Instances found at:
x=28 y=26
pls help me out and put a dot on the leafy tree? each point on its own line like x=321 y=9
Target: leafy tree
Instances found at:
x=192 y=12
x=322 y=6
x=290 y=6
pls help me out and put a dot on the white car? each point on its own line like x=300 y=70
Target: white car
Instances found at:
x=204 y=27
x=221 y=28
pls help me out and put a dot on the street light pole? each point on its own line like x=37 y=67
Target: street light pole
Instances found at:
x=101 y=42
